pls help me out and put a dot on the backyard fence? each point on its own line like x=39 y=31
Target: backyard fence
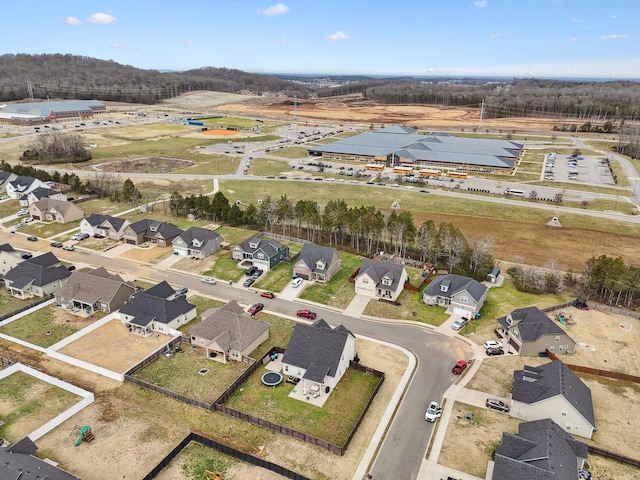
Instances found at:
x=597 y=371
x=168 y=393
x=613 y=456
x=146 y=361
x=232 y=452
x=46 y=298
x=5 y=362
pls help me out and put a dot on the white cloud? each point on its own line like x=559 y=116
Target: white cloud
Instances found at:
x=494 y=35
x=337 y=36
x=122 y=46
x=101 y=18
x=187 y=42
x=281 y=41
x=613 y=16
x=72 y=21
x=613 y=37
x=277 y=9
x=480 y=3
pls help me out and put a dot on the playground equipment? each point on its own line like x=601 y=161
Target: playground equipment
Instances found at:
x=85 y=435
x=564 y=319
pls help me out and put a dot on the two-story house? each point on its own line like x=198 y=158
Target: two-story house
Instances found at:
x=152 y=231
x=317 y=263
x=381 y=280
x=37 y=276
x=460 y=295
x=197 y=242
x=265 y=254
x=106 y=226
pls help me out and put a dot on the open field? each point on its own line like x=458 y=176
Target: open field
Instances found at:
x=112 y=347
x=27 y=403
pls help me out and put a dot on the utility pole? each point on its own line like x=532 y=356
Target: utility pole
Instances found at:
x=481 y=113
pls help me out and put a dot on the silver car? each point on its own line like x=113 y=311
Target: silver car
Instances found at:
x=460 y=323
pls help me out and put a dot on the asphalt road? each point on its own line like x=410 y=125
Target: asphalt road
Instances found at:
x=406 y=442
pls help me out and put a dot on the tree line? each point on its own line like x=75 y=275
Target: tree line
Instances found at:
x=361 y=229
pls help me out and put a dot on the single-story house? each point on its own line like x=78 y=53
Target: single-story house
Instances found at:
x=229 y=333
x=529 y=331
x=156 y=310
x=462 y=295
x=94 y=291
x=317 y=263
x=37 y=276
x=52 y=210
x=152 y=231
x=318 y=355
x=553 y=391
x=19 y=461
x=40 y=193
x=21 y=185
x=265 y=254
x=540 y=450
x=197 y=242
x=9 y=258
x=104 y=226
x=381 y=280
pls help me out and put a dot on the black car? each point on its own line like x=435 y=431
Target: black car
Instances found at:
x=496 y=404
x=494 y=351
x=71 y=268
x=251 y=270
x=56 y=244
x=581 y=305
x=31 y=238
x=26 y=255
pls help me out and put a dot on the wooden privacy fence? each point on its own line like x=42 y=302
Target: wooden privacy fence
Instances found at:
x=597 y=371
x=614 y=456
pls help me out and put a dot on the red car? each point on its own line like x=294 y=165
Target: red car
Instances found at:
x=459 y=367
x=255 y=308
x=306 y=314
x=267 y=294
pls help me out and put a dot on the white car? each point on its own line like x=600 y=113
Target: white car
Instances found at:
x=296 y=282
x=22 y=212
x=209 y=280
x=433 y=412
x=492 y=344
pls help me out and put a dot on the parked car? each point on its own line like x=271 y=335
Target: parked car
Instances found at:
x=257 y=273
x=306 y=314
x=492 y=344
x=56 y=244
x=496 y=404
x=209 y=280
x=69 y=248
x=182 y=291
x=267 y=294
x=256 y=308
x=459 y=367
x=582 y=305
x=22 y=212
x=494 y=351
x=71 y=267
x=249 y=281
x=26 y=255
x=251 y=270
x=76 y=237
x=434 y=411
x=296 y=282
x=460 y=323
x=31 y=238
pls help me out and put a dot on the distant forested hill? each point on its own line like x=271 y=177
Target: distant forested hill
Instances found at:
x=77 y=77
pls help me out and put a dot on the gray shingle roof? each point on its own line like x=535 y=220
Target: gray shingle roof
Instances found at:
x=62 y=206
x=5 y=247
x=532 y=323
x=40 y=271
x=96 y=219
x=269 y=246
x=155 y=228
x=94 y=286
x=43 y=192
x=203 y=235
x=377 y=270
x=534 y=384
x=540 y=450
x=316 y=348
x=18 y=461
x=457 y=283
x=148 y=305
x=312 y=253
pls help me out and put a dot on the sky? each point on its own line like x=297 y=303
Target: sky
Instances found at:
x=512 y=38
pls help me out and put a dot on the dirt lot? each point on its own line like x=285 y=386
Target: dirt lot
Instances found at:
x=112 y=347
x=146 y=254
x=602 y=343
x=124 y=428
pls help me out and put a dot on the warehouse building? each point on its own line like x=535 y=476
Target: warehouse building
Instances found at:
x=35 y=113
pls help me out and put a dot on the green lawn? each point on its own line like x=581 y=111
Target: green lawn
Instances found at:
x=338 y=292
x=263 y=166
x=333 y=422
x=48 y=229
x=33 y=328
x=212 y=164
x=235 y=235
x=290 y=152
x=27 y=400
x=275 y=279
x=9 y=303
x=225 y=267
x=410 y=308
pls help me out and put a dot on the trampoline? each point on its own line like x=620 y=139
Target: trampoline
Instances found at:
x=271 y=379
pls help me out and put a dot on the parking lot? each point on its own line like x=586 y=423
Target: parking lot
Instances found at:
x=577 y=168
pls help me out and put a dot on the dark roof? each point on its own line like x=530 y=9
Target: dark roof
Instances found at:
x=312 y=253
x=534 y=384
x=316 y=348
x=269 y=246
x=18 y=461
x=5 y=247
x=22 y=181
x=456 y=284
x=377 y=270
x=162 y=290
x=203 y=235
x=540 y=450
x=153 y=228
x=42 y=192
x=96 y=219
x=532 y=323
x=40 y=271
x=147 y=305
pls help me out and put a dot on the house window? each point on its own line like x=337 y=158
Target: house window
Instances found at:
x=569 y=426
x=260 y=255
x=364 y=280
x=564 y=412
x=557 y=338
x=286 y=368
x=464 y=299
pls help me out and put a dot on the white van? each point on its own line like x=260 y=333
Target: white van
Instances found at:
x=296 y=282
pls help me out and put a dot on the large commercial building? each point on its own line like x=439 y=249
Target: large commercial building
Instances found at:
x=34 y=113
x=399 y=146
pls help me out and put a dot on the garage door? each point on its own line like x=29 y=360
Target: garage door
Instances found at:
x=461 y=311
